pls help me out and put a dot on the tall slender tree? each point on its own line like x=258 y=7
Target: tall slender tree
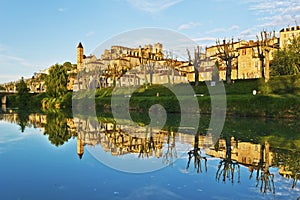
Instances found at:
x=23 y=93
x=195 y=62
x=264 y=45
x=227 y=53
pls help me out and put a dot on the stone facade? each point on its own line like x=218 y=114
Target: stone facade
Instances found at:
x=286 y=34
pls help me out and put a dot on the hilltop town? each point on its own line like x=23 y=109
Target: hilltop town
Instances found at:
x=124 y=66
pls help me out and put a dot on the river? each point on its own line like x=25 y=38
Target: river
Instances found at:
x=57 y=156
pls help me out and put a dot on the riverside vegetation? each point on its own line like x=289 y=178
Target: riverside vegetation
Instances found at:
x=279 y=98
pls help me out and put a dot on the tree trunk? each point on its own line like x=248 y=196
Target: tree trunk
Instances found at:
x=196 y=76
x=262 y=67
x=228 y=71
x=173 y=76
x=267 y=68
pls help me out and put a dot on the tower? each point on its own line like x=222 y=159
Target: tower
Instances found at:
x=80 y=147
x=158 y=48
x=79 y=56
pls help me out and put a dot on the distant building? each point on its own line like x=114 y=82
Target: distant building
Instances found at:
x=286 y=34
x=123 y=66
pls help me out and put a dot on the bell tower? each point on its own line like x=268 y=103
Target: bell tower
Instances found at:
x=79 y=56
x=80 y=147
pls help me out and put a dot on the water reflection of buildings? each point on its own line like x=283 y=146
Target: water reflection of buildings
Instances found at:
x=257 y=157
x=245 y=153
x=124 y=139
x=12 y=117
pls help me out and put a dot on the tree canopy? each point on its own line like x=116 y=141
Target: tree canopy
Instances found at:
x=286 y=61
x=23 y=93
x=56 y=81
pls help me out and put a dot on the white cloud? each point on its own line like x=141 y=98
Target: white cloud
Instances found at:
x=280 y=21
x=276 y=13
x=2 y=48
x=204 y=39
x=7 y=60
x=218 y=30
x=234 y=27
x=89 y=34
x=153 y=6
x=61 y=9
x=247 y=32
x=189 y=25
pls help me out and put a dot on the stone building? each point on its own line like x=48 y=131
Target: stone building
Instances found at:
x=286 y=34
x=143 y=65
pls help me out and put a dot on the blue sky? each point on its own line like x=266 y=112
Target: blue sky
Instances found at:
x=36 y=34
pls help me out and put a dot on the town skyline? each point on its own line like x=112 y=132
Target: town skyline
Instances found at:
x=38 y=35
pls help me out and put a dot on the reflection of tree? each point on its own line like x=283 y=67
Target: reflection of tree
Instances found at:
x=171 y=150
x=264 y=179
x=23 y=118
x=56 y=128
x=196 y=153
x=289 y=164
x=227 y=167
x=147 y=146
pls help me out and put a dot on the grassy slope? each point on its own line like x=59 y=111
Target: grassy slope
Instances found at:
x=278 y=98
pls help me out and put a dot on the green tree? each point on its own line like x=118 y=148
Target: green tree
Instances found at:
x=23 y=118
x=68 y=66
x=56 y=81
x=286 y=61
x=22 y=98
x=57 y=128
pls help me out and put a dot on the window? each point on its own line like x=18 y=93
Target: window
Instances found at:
x=243 y=64
x=244 y=52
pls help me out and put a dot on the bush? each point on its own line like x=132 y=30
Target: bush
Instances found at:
x=289 y=84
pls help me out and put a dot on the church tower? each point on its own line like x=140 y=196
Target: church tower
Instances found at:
x=79 y=56
x=80 y=147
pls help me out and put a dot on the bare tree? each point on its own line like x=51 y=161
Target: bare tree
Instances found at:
x=150 y=66
x=227 y=53
x=264 y=179
x=196 y=153
x=195 y=62
x=228 y=167
x=171 y=149
x=264 y=45
x=171 y=63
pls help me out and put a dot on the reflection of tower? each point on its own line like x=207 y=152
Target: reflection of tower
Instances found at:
x=267 y=155
x=157 y=48
x=80 y=147
x=79 y=56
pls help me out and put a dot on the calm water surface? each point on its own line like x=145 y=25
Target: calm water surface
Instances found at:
x=52 y=156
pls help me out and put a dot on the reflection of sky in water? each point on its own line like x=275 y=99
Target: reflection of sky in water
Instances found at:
x=131 y=162
x=32 y=168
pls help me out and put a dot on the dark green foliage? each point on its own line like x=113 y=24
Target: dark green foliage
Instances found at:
x=286 y=61
x=242 y=86
x=68 y=66
x=56 y=81
x=22 y=98
x=281 y=85
x=57 y=128
x=23 y=118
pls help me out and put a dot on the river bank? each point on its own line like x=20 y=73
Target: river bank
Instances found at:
x=279 y=98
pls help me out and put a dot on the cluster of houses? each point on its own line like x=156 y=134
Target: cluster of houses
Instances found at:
x=124 y=66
